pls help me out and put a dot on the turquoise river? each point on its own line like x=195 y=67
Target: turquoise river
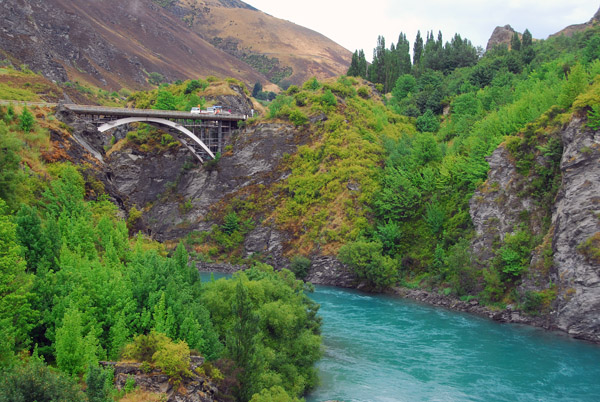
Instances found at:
x=383 y=348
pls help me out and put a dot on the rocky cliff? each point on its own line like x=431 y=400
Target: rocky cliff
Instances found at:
x=501 y=35
x=564 y=268
x=576 y=240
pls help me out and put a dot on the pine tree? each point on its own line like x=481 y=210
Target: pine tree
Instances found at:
x=362 y=64
x=26 y=120
x=417 y=49
x=515 y=42
x=353 y=69
x=527 y=52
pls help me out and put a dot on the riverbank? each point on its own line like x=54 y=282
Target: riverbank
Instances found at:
x=328 y=271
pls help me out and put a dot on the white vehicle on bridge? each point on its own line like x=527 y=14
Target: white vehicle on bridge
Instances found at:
x=195 y=110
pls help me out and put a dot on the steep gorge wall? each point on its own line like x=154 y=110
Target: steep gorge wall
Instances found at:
x=503 y=203
x=576 y=236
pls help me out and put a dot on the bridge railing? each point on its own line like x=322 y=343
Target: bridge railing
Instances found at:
x=165 y=114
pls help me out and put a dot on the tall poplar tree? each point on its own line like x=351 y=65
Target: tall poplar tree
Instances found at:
x=417 y=49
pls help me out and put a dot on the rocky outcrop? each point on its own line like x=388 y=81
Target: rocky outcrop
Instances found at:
x=177 y=195
x=497 y=205
x=572 y=242
x=325 y=270
x=577 y=233
x=194 y=388
x=501 y=35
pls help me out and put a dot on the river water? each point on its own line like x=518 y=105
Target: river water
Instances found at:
x=383 y=348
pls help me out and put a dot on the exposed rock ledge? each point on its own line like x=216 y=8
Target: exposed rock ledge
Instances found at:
x=193 y=389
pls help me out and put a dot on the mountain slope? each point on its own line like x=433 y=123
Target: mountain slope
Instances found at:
x=114 y=44
x=279 y=48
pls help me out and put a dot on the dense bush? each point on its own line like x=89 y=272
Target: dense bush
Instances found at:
x=32 y=380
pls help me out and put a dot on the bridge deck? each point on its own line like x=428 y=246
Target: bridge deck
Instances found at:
x=165 y=114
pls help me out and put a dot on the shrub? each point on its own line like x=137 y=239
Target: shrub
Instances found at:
x=34 y=381
x=363 y=92
x=173 y=359
x=26 y=120
x=594 y=117
x=98 y=382
x=312 y=84
x=300 y=265
x=298 y=118
x=366 y=260
x=157 y=348
x=328 y=98
x=536 y=303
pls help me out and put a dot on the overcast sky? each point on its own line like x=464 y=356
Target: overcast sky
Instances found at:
x=356 y=24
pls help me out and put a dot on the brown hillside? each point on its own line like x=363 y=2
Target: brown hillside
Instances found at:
x=114 y=43
x=247 y=33
x=109 y=43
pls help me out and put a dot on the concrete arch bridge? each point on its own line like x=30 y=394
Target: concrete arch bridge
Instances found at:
x=202 y=133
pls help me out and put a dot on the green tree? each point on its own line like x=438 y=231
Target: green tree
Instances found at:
x=368 y=262
x=10 y=174
x=256 y=89
x=515 y=42
x=70 y=345
x=16 y=314
x=29 y=235
x=405 y=84
x=428 y=122
x=242 y=342
x=417 y=49
x=26 y=120
x=165 y=100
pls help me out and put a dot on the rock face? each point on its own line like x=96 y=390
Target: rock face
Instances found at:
x=194 y=388
x=329 y=271
x=501 y=35
x=496 y=206
x=577 y=227
x=574 y=236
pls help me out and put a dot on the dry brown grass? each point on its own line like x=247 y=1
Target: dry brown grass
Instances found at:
x=143 y=396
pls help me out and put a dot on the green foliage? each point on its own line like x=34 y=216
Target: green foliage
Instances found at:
x=98 y=382
x=26 y=120
x=32 y=380
x=539 y=302
x=173 y=358
x=155 y=78
x=367 y=262
x=300 y=265
x=312 y=84
x=594 y=117
x=11 y=177
x=270 y=329
x=590 y=248
x=298 y=118
x=165 y=100
x=273 y=394
x=514 y=256
x=16 y=313
x=328 y=99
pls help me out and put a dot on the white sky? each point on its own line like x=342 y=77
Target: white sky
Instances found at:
x=356 y=24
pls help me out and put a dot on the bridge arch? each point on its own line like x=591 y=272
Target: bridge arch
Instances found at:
x=112 y=124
